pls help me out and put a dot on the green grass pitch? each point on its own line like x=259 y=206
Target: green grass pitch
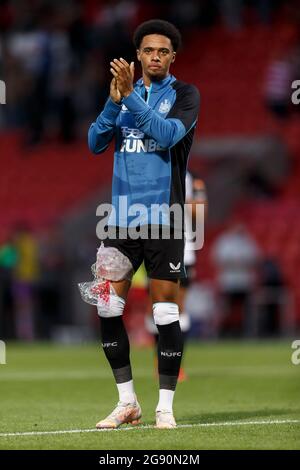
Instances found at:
x=238 y=396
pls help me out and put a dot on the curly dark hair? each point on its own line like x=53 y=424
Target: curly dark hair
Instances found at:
x=157 y=27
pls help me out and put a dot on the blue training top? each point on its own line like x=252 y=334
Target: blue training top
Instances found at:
x=153 y=138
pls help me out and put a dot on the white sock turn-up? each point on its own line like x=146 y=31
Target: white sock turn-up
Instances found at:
x=126 y=392
x=165 y=402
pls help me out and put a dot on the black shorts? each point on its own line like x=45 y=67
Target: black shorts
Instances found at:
x=163 y=258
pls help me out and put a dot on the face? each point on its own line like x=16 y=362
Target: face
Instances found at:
x=156 y=54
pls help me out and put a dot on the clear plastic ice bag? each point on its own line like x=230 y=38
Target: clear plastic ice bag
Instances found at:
x=95 y=292
x=111 y=265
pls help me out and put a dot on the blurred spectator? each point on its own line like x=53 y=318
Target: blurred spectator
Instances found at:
x=39 y=52
x=25 y=277
x=30 y=50
x=236 y=257
x=113 y=27
x=50 y=287
x=281 y=72
x=185 y=14
x=232 y=11
x=270 y=299
x=201 y=306
x=92 y=89
x=278 y=86
x=62 y=78
x=8 y=260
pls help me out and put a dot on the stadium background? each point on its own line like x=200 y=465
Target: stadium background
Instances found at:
x=54 y=56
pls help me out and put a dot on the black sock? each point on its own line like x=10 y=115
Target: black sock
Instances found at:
x=115 y=344
x=156 y=338
x=170 y=349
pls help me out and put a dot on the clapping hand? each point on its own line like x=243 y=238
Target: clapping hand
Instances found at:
x=123 y=74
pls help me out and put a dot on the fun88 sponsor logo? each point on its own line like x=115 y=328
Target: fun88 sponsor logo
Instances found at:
x=134 y=142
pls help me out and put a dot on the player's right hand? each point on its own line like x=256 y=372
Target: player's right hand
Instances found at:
x=114 y=92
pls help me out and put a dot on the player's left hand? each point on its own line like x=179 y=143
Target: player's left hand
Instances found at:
x=124 y=73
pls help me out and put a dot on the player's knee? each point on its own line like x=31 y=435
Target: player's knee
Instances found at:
x=165 y=313
x=113 y=308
